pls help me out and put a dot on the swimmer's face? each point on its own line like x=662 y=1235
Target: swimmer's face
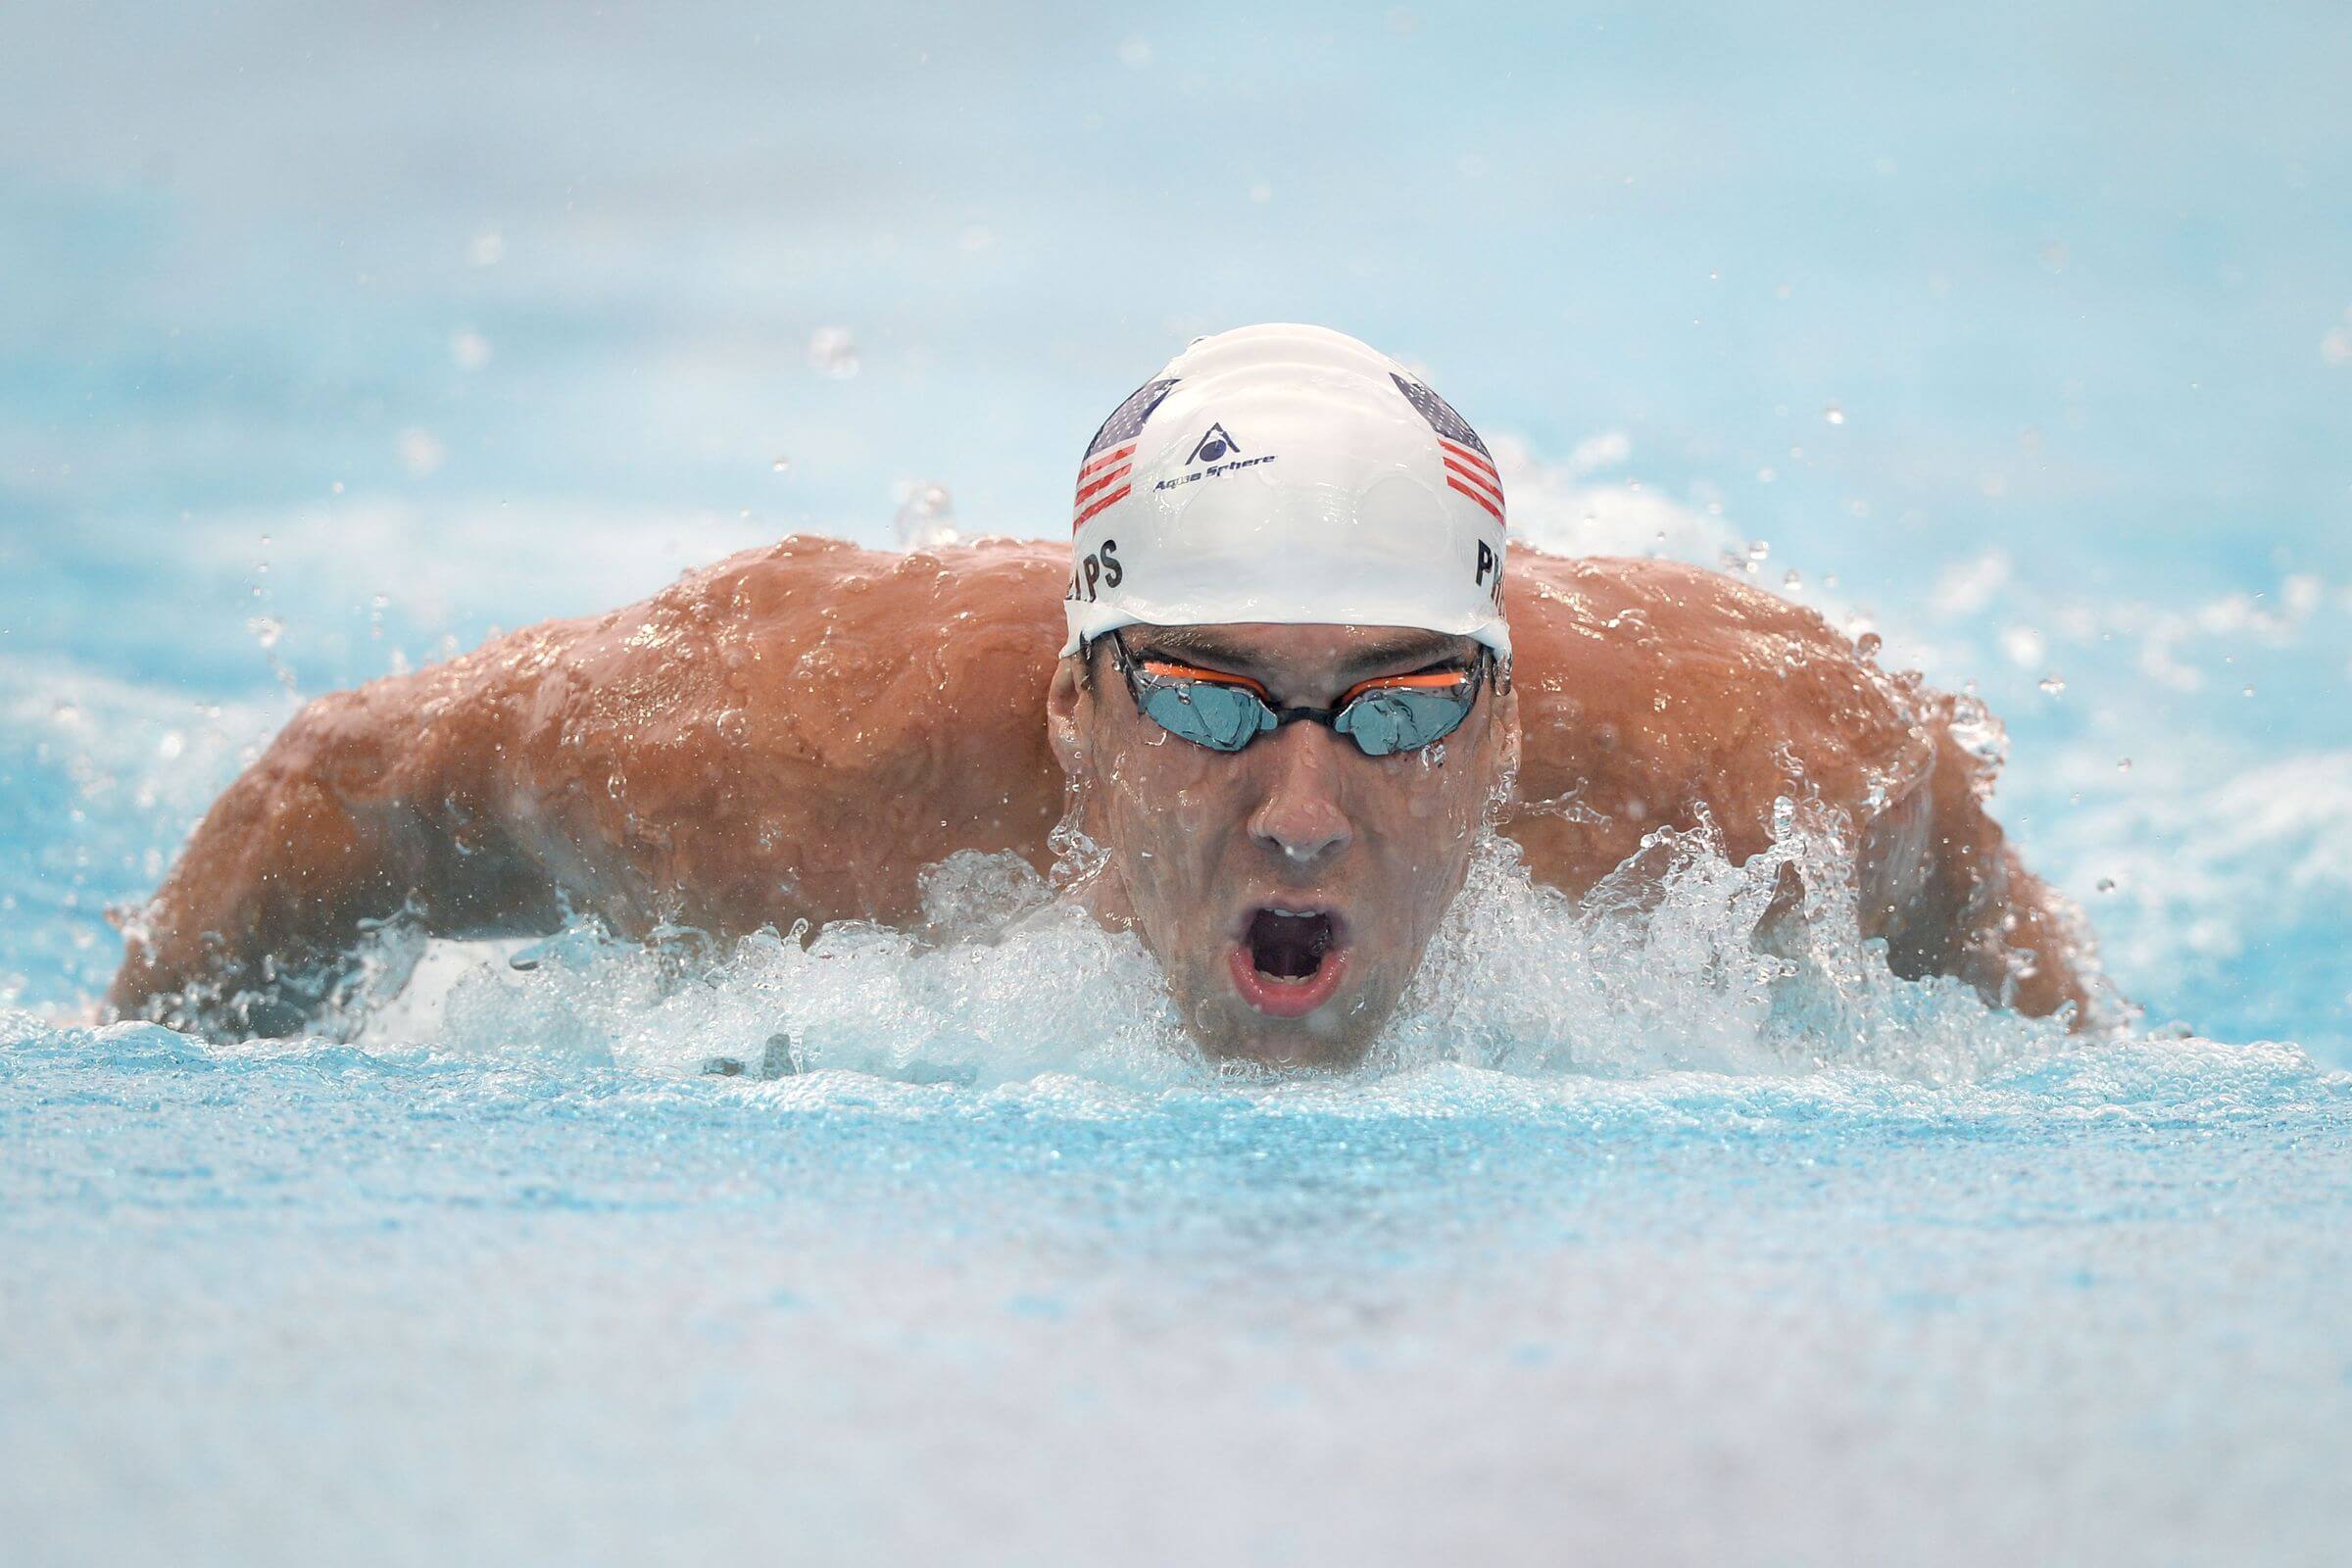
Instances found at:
x=1286 y=889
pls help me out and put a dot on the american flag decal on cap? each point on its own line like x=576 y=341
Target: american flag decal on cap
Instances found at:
x=1111 y=456
x=1469 y=467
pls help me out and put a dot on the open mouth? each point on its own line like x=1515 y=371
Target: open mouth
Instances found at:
x=1288 y=961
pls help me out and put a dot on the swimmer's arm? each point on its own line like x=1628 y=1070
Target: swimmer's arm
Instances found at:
x=1981 y=914
x=369 y=806
x=1649 y=688
x=790 y=735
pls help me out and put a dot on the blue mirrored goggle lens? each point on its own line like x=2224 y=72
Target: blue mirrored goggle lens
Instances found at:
x=1403 y=718
x=1221 y=718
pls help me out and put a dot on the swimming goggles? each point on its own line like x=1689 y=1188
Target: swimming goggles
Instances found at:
x=1225 y=713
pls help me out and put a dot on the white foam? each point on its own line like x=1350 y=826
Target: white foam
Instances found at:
x=1660 y=969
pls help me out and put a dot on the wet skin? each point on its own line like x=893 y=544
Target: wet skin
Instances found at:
x=794 y=733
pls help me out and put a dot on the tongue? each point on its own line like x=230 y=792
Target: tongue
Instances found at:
x=1289 y=946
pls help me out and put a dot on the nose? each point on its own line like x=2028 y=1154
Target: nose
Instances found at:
x=1301 y=815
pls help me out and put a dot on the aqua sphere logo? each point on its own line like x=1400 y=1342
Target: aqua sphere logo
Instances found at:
x=1212 y=446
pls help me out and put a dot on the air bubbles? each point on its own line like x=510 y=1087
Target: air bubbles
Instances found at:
x=1832 y=415
x=833 y=352
x=780 y=466
x=2123 y=765
x=2106 y=884
x=2052 y=685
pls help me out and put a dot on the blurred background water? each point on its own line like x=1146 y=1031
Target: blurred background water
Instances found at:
x=333 y=336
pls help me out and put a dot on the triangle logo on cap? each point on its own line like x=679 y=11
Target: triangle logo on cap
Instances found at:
x=1215 y=446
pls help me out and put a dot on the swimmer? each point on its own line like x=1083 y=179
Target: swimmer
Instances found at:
x=1280 y=682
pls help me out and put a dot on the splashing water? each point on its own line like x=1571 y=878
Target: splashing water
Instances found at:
x=1659 y=969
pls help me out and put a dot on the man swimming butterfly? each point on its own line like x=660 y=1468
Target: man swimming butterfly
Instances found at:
x=1286 y=688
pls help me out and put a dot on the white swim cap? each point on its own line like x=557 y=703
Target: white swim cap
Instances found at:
x=1288 y=474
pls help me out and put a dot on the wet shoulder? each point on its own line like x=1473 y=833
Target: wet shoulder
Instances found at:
x=1650 y=686
x=776 y=645
x=1591 y=596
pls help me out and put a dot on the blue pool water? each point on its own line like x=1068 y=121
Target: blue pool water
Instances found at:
x=331 y=338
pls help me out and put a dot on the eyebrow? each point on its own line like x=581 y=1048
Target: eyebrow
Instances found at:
x=1200 y=645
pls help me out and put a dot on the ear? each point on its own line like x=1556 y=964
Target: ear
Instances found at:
x=1065 y=706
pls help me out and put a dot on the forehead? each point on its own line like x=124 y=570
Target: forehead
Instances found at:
x=1250 y=646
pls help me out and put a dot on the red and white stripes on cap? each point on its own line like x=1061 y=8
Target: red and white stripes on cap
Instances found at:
x=1474 y=475
x=1289 y=474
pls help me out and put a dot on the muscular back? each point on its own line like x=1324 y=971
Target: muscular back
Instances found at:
x=795 y=732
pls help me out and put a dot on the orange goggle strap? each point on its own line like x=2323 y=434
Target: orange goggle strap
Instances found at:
x=1431 y=680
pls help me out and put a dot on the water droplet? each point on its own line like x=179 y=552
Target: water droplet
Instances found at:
x=833 y=352
x=2249 y=690
x=1834 y=415
x=1793 y=581
x=926 y=516
x=420 y=453
x=1758 y=548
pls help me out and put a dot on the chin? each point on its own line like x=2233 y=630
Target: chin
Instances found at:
x=1331 y=1039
